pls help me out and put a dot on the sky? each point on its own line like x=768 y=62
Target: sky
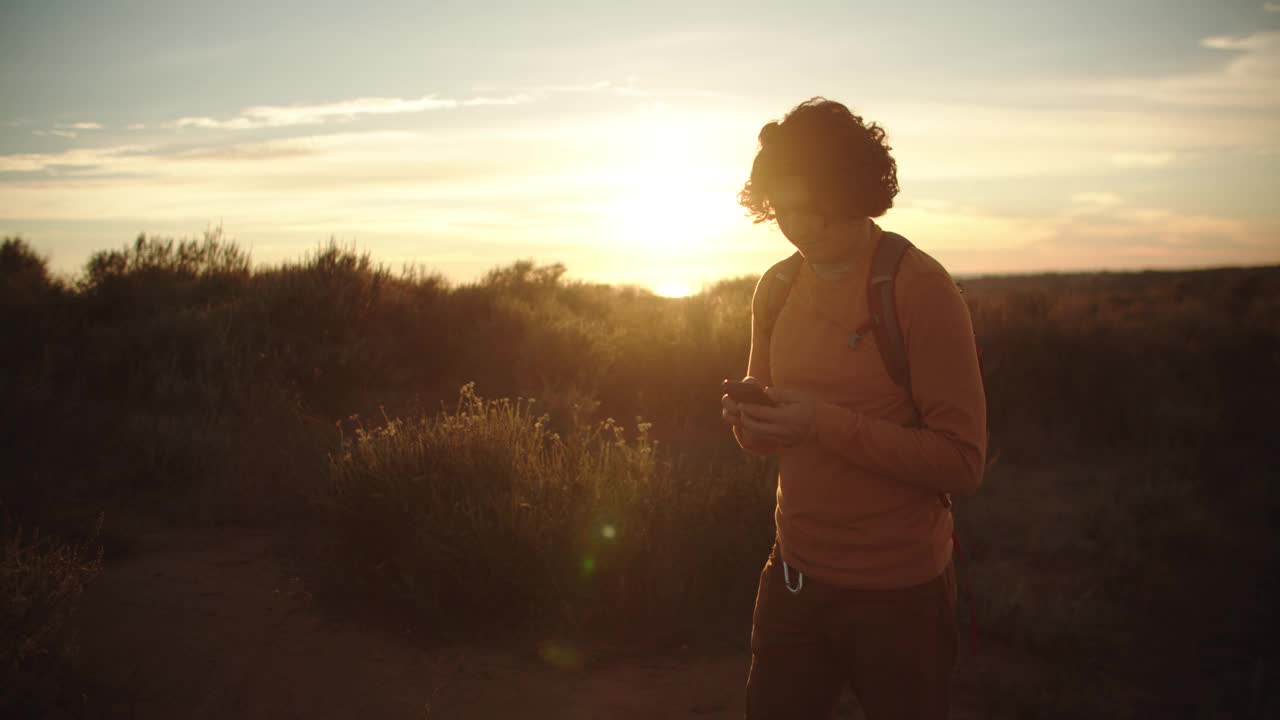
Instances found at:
x=613 y=137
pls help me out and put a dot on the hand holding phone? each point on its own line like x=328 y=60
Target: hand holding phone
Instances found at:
x=748 y=393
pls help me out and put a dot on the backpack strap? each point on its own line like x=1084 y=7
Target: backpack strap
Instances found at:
x=884 y=309
x=884 y=318
x=880 y=302
x=778 y=287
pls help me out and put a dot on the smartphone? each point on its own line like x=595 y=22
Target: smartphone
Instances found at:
x=747 y=392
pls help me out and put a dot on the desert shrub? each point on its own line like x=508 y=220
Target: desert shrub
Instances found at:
x=1107 y=573
x=1116 y=367
x=41 y=581
x=484 y=519
x=24 y=275
x=151 y=259
x=1102 y=367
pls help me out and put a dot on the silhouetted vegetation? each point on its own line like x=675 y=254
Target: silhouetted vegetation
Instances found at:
x=41 y=580
x=1131 y=410
x=483 y=518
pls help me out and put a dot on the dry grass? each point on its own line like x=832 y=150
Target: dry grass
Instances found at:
x=41 y=581
x=484 y=519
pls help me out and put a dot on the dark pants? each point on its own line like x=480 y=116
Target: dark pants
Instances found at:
x=896 y=648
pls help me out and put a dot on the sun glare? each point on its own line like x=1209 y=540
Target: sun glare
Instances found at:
x=671 y=198
x=677 y=289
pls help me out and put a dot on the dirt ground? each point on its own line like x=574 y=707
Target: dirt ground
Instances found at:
x=212 y=625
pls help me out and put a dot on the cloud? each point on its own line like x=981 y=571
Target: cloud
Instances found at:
x=949 y=141
x=77 y=158
x=1098 y=229
x=276 y=116
x=631 y=89
x=1130 y=160
x=271 y=116
x=1096 y=200
x=1124 y=228
x=170 y=161
x=609 y=87
x=67 y=130
x=1091 y=229
x=519 y=99
x=1250 y=78
x=1271 y=7
x=1109 y=216
x=323 y=173
x=1230 y=42
x=297 y=147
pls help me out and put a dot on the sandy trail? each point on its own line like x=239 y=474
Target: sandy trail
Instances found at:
x=213 y=626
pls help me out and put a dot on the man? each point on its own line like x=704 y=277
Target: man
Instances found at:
x=860 y=588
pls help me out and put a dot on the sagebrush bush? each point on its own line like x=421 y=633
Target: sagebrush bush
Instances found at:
x=483 y=517
x=24 y=276
x=156 y=260
x=41 y=581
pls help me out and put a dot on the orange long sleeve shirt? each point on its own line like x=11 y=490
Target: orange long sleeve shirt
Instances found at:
x=859 y=504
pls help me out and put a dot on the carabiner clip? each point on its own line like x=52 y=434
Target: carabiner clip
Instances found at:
x=786 y=579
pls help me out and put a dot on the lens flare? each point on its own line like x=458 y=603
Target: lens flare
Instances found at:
x=561 y=657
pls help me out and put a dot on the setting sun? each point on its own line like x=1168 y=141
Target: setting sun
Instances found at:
x=670 y=200
x=674 y=289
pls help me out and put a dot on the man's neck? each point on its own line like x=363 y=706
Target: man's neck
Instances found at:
x=856 y=234
x=832 y=270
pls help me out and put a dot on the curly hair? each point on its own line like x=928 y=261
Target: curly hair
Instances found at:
x=844 y=161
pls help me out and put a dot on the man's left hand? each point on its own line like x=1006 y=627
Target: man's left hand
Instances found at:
x=788 y=424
